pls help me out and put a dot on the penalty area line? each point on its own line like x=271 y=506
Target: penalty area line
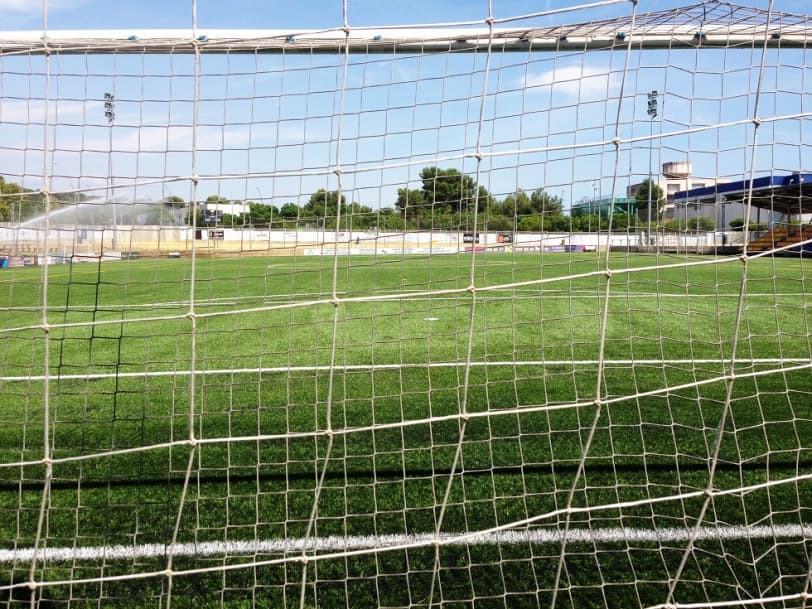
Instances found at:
x=381 y=542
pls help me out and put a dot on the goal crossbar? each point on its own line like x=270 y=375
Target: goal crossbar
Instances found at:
x=686 y=28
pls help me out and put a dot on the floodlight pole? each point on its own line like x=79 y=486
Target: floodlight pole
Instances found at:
x=110 y=115
x=652 y=112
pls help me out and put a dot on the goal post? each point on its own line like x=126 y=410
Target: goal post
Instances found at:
x=503 y=312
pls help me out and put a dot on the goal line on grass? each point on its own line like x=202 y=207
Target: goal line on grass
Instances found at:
x=336 y=543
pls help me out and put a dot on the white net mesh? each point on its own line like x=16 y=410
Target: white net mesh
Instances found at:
x=499 y=314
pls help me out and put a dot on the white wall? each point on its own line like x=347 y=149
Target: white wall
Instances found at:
x=96 y=239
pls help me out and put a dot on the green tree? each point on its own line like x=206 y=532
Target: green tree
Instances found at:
x=516 y=204
x=446 y=200
x=701 y=223
x=21 y=202
x=737 y=224
x=358 y=216
x=530 y=224
x=622 y=221
x=548 y=209
x=169 y=210
x=546 y=204
x=449 y=190
x=556 y=223
x=233 y=220
x=412 y=205
x=174 y=201
x=409 y=198
x=324 y=204
x=589 y=223
x=390 y=219
x=641 y=198
x=261 y=214
x=499 y=222
x=289 y=211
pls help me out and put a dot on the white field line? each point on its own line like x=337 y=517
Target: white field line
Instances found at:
x=381 y=542
x=383 y=367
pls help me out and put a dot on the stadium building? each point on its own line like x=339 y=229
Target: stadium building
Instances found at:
x=677 y=176
x=602 y=207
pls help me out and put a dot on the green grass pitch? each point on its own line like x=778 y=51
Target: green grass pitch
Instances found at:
x=367 y=399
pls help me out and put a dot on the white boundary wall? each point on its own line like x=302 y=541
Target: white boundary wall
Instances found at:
x=98 y=240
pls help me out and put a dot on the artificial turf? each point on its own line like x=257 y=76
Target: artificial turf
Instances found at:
x=414 y=395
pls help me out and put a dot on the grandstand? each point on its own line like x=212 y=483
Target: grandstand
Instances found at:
x=785 y=200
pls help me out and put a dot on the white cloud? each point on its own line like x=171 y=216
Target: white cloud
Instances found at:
x=27 y=14
x=584 y=83
x=34 y=7
x=33 y=111
x=20 y=6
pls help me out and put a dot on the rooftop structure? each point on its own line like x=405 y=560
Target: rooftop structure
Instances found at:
x=789 y=195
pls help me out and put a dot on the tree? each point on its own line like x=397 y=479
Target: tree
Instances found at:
x=737 y=224
x=449 y=190
x=589 y=223
x=174 y=201
x=499 y=222
x=358 y=216
x=170 y=209
x=261 y=214
x=641 y=198
x=411 y=204
x=289 y=211
x=390 y=219
x=26 y=202
x=6 y=212
x=233 y=220
x=622 y=221
x=324 y=204
x=516 y=204
x=703 y=223
x=557 y=223
x=537 y=211
x=546 y=204
x=530 y=224
x=446 y=199
x=409 y=198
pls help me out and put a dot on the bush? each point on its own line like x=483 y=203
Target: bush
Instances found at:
x=621 y=221
x=701 y=223
x=738 y=224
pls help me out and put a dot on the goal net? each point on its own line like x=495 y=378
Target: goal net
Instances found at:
x=508 y=312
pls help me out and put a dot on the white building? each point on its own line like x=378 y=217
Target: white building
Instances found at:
x=678 y=176
x=232 y=208
x=213 y=211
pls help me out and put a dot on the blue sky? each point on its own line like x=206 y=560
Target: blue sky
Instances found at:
x=281 y=115
x=118 y=14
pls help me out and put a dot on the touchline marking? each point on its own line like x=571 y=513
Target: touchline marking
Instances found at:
x=371 y=542
x=375 y=367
